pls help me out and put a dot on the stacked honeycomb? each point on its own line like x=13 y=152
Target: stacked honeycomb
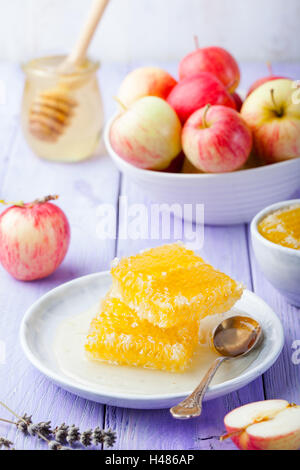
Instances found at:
x=117 y=335
x=151 y=316
x=282 y=227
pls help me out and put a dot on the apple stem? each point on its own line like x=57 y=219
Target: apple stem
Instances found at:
x=269 y=65
x=123 y=106
x=51 y=197
x=36 y=201
x=196 y=41
x=277 y=109
x=204 y=121
x=5 y=203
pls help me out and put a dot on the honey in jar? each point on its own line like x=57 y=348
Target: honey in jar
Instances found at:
x=282 y=226
x=62 y=114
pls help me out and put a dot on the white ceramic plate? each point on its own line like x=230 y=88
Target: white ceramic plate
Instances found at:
x=40 y=324
x=228 y=198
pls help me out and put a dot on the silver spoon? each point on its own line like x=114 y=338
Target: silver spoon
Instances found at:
x=234 y=337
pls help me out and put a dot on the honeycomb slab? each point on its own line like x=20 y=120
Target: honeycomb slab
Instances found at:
x=118 y=336
x=170 y=285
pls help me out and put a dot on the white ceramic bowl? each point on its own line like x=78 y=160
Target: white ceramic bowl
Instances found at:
x=280 y=265
x=228 y=198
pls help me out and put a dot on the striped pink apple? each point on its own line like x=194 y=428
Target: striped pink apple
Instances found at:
x=34 y=239
x=145 y=81
x=147 y=134
x=214 y=60
x=216 y=139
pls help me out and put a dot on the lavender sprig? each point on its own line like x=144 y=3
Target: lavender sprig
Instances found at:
x=5 y=443
x=57 y=437
x=23 y=424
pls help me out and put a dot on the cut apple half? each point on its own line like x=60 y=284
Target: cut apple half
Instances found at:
x=265 y=425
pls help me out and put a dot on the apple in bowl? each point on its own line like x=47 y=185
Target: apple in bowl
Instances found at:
x=216 y=139
x=194 y=92
x=145 y=81
x=147 y=134
x=262 y=80
x=229 y=198
x=273 y=114
x=214 y=60
x=238 y=100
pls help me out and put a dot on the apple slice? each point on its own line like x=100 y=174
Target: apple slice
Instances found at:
x=265 y=425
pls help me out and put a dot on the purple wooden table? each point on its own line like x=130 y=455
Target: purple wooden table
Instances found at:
x=83 y=187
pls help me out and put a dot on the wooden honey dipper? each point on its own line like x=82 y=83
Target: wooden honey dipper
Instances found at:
x=52 y=110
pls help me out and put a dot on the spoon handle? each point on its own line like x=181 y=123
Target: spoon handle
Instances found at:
x=191 y=406
x=94 y=16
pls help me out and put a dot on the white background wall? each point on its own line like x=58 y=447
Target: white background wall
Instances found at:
x=154 y=29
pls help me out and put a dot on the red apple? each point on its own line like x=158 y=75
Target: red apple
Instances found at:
x=238 y=101
x=195 y=92
x=147 y=134
x=216 y=139
x=145 y=81
x=214 y=60
x=263 y=80
x=265 y=425
x=34 y=239
x=273 y=114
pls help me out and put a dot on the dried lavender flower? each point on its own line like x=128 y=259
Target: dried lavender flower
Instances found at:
x=60 y=433
x=61 y=427
x=53 y=445
x=98 y=436
x=5 y=443
x=110 y=438
x=33 y=429
x=23 y=423
x=86 y=438
x=43 y=428
x=60 y=436
x=73 y=434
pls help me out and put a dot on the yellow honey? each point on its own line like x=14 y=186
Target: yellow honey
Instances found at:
x=151 y=316
x=118 y=336
x=71 y=103
x=170 y=285
x=282 y=227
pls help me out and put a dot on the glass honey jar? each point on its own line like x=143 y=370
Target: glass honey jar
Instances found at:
x=62 y=114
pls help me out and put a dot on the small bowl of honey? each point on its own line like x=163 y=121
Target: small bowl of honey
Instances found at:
x=275 y=233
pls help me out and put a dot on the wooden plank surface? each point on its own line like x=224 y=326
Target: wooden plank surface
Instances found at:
x=83 y=187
